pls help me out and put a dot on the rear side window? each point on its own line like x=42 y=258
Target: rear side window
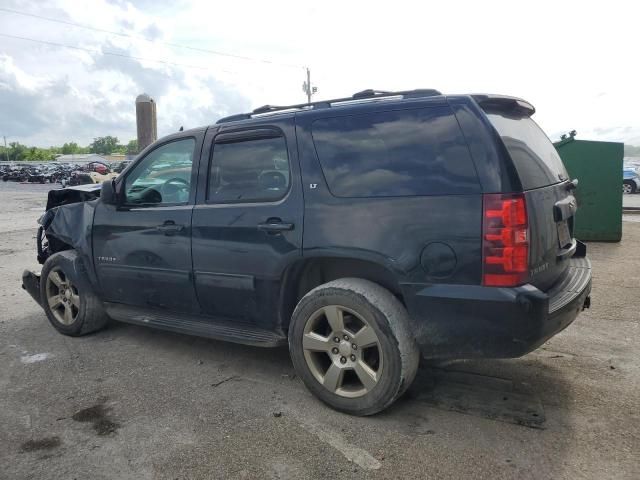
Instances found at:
x=253 y=170
x=395 y=153
x=534 y=156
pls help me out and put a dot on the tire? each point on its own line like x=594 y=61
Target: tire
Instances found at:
x=59 y=277
x=628 y=186
x=388 y=367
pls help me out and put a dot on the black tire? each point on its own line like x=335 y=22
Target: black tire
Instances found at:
x=630 y=184
x=390 y=322
x=89 y=315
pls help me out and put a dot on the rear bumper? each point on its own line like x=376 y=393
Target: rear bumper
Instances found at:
x=468 y=321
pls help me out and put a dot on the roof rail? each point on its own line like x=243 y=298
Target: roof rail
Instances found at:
x=358 y=97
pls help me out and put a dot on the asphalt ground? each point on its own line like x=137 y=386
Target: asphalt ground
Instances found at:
x=130 y=402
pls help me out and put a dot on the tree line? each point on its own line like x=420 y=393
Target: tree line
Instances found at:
x=16 y=152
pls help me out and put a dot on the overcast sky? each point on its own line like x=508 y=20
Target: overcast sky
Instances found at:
x=577 y=62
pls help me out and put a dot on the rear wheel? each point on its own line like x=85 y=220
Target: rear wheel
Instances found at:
x=350 y=343
x=71 y=308
x=628 y=187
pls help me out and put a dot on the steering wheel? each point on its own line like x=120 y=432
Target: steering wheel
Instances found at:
x=173 y=189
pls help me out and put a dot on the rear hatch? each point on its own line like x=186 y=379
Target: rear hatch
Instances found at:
x=551 y=205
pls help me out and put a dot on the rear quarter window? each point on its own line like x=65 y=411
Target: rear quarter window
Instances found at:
x=395 y=153
x=534 y=156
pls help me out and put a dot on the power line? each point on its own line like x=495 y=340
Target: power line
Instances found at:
x=307 y=85
x=169 y=44
x=115 y=54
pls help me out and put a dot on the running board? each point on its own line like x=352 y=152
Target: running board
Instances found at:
x=196 y=325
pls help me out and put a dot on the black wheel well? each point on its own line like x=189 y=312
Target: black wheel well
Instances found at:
x=305 y=275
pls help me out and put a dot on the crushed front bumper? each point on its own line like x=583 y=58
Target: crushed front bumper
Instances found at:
x=31 y=283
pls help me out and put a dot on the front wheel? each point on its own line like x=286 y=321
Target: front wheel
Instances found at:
x=350 y=342
x=71 y=307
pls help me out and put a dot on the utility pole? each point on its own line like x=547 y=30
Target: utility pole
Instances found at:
x=307 y=88
x=6 y=152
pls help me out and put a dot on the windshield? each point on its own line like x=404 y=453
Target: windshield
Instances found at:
x=533 y=154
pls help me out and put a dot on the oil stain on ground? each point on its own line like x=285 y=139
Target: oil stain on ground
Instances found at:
x=98 y=415
x=47 y=443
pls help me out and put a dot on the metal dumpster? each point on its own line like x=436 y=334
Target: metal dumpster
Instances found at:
x=598 y=168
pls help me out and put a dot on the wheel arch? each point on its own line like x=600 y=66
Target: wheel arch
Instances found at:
x=78 y=264
x=305 y=274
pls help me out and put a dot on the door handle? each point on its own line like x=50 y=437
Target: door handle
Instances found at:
x=169 y=228
x=275 y=225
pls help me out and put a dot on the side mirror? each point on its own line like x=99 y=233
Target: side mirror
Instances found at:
x=108 y=193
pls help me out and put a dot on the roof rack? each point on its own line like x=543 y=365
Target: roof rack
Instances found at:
x=359 y=97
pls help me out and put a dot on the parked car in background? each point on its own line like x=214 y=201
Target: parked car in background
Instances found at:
x=118 y=167
x=26 y=173
x=630 y=180
x=94 y=172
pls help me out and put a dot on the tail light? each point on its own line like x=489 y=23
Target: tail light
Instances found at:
x=505 y=240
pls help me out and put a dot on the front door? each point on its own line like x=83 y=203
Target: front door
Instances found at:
x=142 y=248
x=247 y=224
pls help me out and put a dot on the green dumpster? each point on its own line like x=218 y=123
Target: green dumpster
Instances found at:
x=598 y=168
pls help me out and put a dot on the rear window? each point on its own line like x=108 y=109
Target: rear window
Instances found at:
x=535 y=158
x=394 y=153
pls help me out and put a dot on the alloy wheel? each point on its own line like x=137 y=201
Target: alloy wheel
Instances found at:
x=62 y=297
x=342 y=351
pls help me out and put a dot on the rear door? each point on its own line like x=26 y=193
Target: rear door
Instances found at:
x=247 y=224
x=550 y=202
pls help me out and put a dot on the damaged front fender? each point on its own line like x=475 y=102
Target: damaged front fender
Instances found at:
x=67 y=224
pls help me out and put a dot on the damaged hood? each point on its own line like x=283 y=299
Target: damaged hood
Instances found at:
x=79 y=193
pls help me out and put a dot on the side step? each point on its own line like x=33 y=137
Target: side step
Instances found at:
x=196 y=325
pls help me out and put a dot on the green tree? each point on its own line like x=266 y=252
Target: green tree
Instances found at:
x=17 y=152
x=35 y=154
x=104 y=145
x=132 y=147
x=70 y=148
x=120 y=149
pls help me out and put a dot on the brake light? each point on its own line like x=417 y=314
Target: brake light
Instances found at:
x=505 y=240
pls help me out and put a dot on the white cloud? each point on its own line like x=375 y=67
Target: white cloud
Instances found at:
x=575 y=61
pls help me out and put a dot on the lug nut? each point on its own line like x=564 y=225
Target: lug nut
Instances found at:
x=354 y=346
x=346 y=337
x=343 y=360
x=336 y=339
x=353 y=358
x=334 y=350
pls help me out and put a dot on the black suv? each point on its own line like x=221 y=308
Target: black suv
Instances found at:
x=364 y=232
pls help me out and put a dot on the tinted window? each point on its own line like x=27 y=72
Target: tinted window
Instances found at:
x=249 y=171
x=533 y=154
x=396 y=153
x=163 y=176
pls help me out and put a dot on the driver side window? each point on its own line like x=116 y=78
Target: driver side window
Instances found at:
x=163 y=177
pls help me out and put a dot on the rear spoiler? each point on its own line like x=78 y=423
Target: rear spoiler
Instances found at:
x=505 y=104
